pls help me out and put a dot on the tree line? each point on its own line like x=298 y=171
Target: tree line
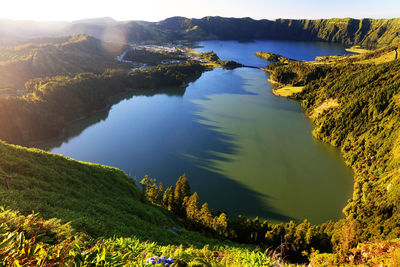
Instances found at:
x=52 y=103
x=365 y=127
x=291 y=241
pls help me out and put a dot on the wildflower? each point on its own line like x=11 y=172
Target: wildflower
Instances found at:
x=148 y=260
x=162 y=259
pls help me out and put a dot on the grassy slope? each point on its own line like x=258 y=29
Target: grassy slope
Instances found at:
x=364 y=32
x=54 y=56
x=378 y=56
x=288 y=90
x=357 y=49
x=54 y=102
x=101 y=202
x=32 y=241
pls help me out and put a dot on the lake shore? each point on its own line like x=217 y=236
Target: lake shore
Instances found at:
x=284 y=90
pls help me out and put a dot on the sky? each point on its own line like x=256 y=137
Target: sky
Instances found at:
x=155 y=10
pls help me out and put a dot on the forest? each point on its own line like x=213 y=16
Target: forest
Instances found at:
x=52 y=103
x=365 y=32
x=364 y=124
x=353 y=100
x=51 y=56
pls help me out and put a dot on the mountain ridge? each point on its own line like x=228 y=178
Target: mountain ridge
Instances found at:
x=365 y=32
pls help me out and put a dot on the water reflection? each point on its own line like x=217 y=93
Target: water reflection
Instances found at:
x=244 y=150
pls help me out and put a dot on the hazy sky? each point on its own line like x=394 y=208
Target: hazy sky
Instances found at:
x=155 y=10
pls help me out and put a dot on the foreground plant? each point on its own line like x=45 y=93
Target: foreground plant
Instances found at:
x=32 y=241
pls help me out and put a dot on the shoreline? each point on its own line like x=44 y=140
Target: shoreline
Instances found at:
x=63 y=134
x=107 y=107
x=278 y=84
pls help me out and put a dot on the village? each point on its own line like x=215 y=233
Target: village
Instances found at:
x=145 y=56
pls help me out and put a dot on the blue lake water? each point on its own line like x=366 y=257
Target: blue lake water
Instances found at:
x=244 y=150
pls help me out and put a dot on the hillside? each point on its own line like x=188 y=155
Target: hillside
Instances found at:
x=51 y=56
x=101 y=217
x=51 y=81
x=354 y=103
x=107 y=217
x=365 y=32
x=53 y=102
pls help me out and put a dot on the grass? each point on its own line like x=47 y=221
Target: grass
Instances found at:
x=288 y=90
x=32 y=241
x=387 y=57
x=376 y=253
x=357 y=49
x=205 y=61
x=100 y=201
x=93 y=215
x=379 y=56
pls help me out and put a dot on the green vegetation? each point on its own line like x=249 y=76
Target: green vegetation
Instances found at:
x=357 y=49
x=53 y=102
x=32 y=241
x=291 y=241
x=280 y=88
x=272 y=57
x=212 y=60
x=43 y=57
x=379 y=56
x=287 y=91
x=103 y=208
x=106 y=203
x=364 y=32
x=99 y=201
x=356 y=107
x=54 y=186
x=96 y=215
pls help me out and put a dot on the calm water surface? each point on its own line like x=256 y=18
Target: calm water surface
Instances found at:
x=244 y=150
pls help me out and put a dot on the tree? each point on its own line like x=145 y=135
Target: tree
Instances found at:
x=151 y=191
x=168 y=200
x=193 y=207
x=221 y=223
x=182 y=190
x=205 y=215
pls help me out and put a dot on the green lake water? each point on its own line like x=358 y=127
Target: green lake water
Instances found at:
x=244 y=150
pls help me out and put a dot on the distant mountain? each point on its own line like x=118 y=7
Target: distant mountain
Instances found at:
x=97 y=21
x=51 y=56
x=365 y=32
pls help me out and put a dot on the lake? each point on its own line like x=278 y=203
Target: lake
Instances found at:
x=244 y=150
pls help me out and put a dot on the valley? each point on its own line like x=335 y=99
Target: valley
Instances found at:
x=310 y=159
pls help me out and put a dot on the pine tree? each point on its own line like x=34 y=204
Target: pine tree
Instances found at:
x=145 y=182
x=205 y=215
x=168 y=200
x=182 y=190
x=221 y=223
x=151 y=191
x=193 y=207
